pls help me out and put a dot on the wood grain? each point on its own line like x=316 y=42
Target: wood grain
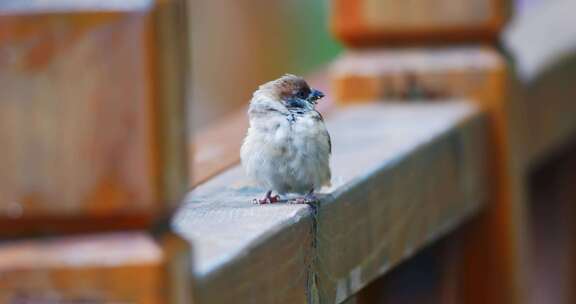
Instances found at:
x=104 y=268
x=91 y=119
x=414 y=74
x=381 y=221
x=397 y=186
x=373 y=22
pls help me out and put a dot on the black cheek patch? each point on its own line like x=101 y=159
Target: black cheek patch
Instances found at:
x=295 y=103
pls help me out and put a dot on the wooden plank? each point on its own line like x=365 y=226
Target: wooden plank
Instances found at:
x=481 y=74
x=105 y=268
x=234 y=247
x=546 y=65
x=374 y=22
x=417 y=74
x=399 y=209
x=91 y=120
x=548 y=111
x=290 y=254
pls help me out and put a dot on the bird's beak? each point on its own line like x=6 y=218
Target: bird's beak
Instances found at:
x=315 y=95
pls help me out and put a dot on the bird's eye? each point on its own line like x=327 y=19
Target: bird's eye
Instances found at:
x=302 y=94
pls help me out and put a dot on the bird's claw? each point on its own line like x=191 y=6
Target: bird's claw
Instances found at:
x=308 y=199
x=266 y=200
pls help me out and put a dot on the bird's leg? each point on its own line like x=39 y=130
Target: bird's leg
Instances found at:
x=309 y=198
x=268 y=199
x=273 y=199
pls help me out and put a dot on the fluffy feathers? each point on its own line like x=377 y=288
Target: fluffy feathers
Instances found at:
x=287 y=147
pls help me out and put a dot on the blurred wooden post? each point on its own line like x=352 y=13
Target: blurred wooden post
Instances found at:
x=417 y=22
x=493 y=245
x=92 y=119
x=107 y=268
x=426 y=278
x=418 y=74
x=93 y=134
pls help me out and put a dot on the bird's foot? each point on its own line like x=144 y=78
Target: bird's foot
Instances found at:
x=268 y=199
x=308 y=199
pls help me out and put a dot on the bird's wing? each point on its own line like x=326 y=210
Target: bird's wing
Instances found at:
x=327 y=134
x=329 y=142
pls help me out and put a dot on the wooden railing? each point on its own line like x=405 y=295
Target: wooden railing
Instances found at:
x=433 y=144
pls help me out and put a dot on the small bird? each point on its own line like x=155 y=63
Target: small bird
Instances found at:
x=287 y=147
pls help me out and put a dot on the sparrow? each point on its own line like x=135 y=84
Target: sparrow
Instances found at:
x=287 y=146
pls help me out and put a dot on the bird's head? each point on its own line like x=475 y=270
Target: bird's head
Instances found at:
x=292 y=92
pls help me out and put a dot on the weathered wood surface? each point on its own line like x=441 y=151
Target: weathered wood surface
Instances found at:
x=106 y=268
x=397 y=186
x=257 y=254
x=548 y=112
x=481 y=74
x=543 y=50
x=547 y=64
x=418 y=73
x=375 y=223
x=374 y=22
x=91 y=114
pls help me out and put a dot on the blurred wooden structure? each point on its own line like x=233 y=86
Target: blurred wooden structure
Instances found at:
x=129 y=267
x=92 y=115
x=373 y=218
x=94 y=138
x=392 y=74
x=428 y=196
x=493 y=242
x=378 y=23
